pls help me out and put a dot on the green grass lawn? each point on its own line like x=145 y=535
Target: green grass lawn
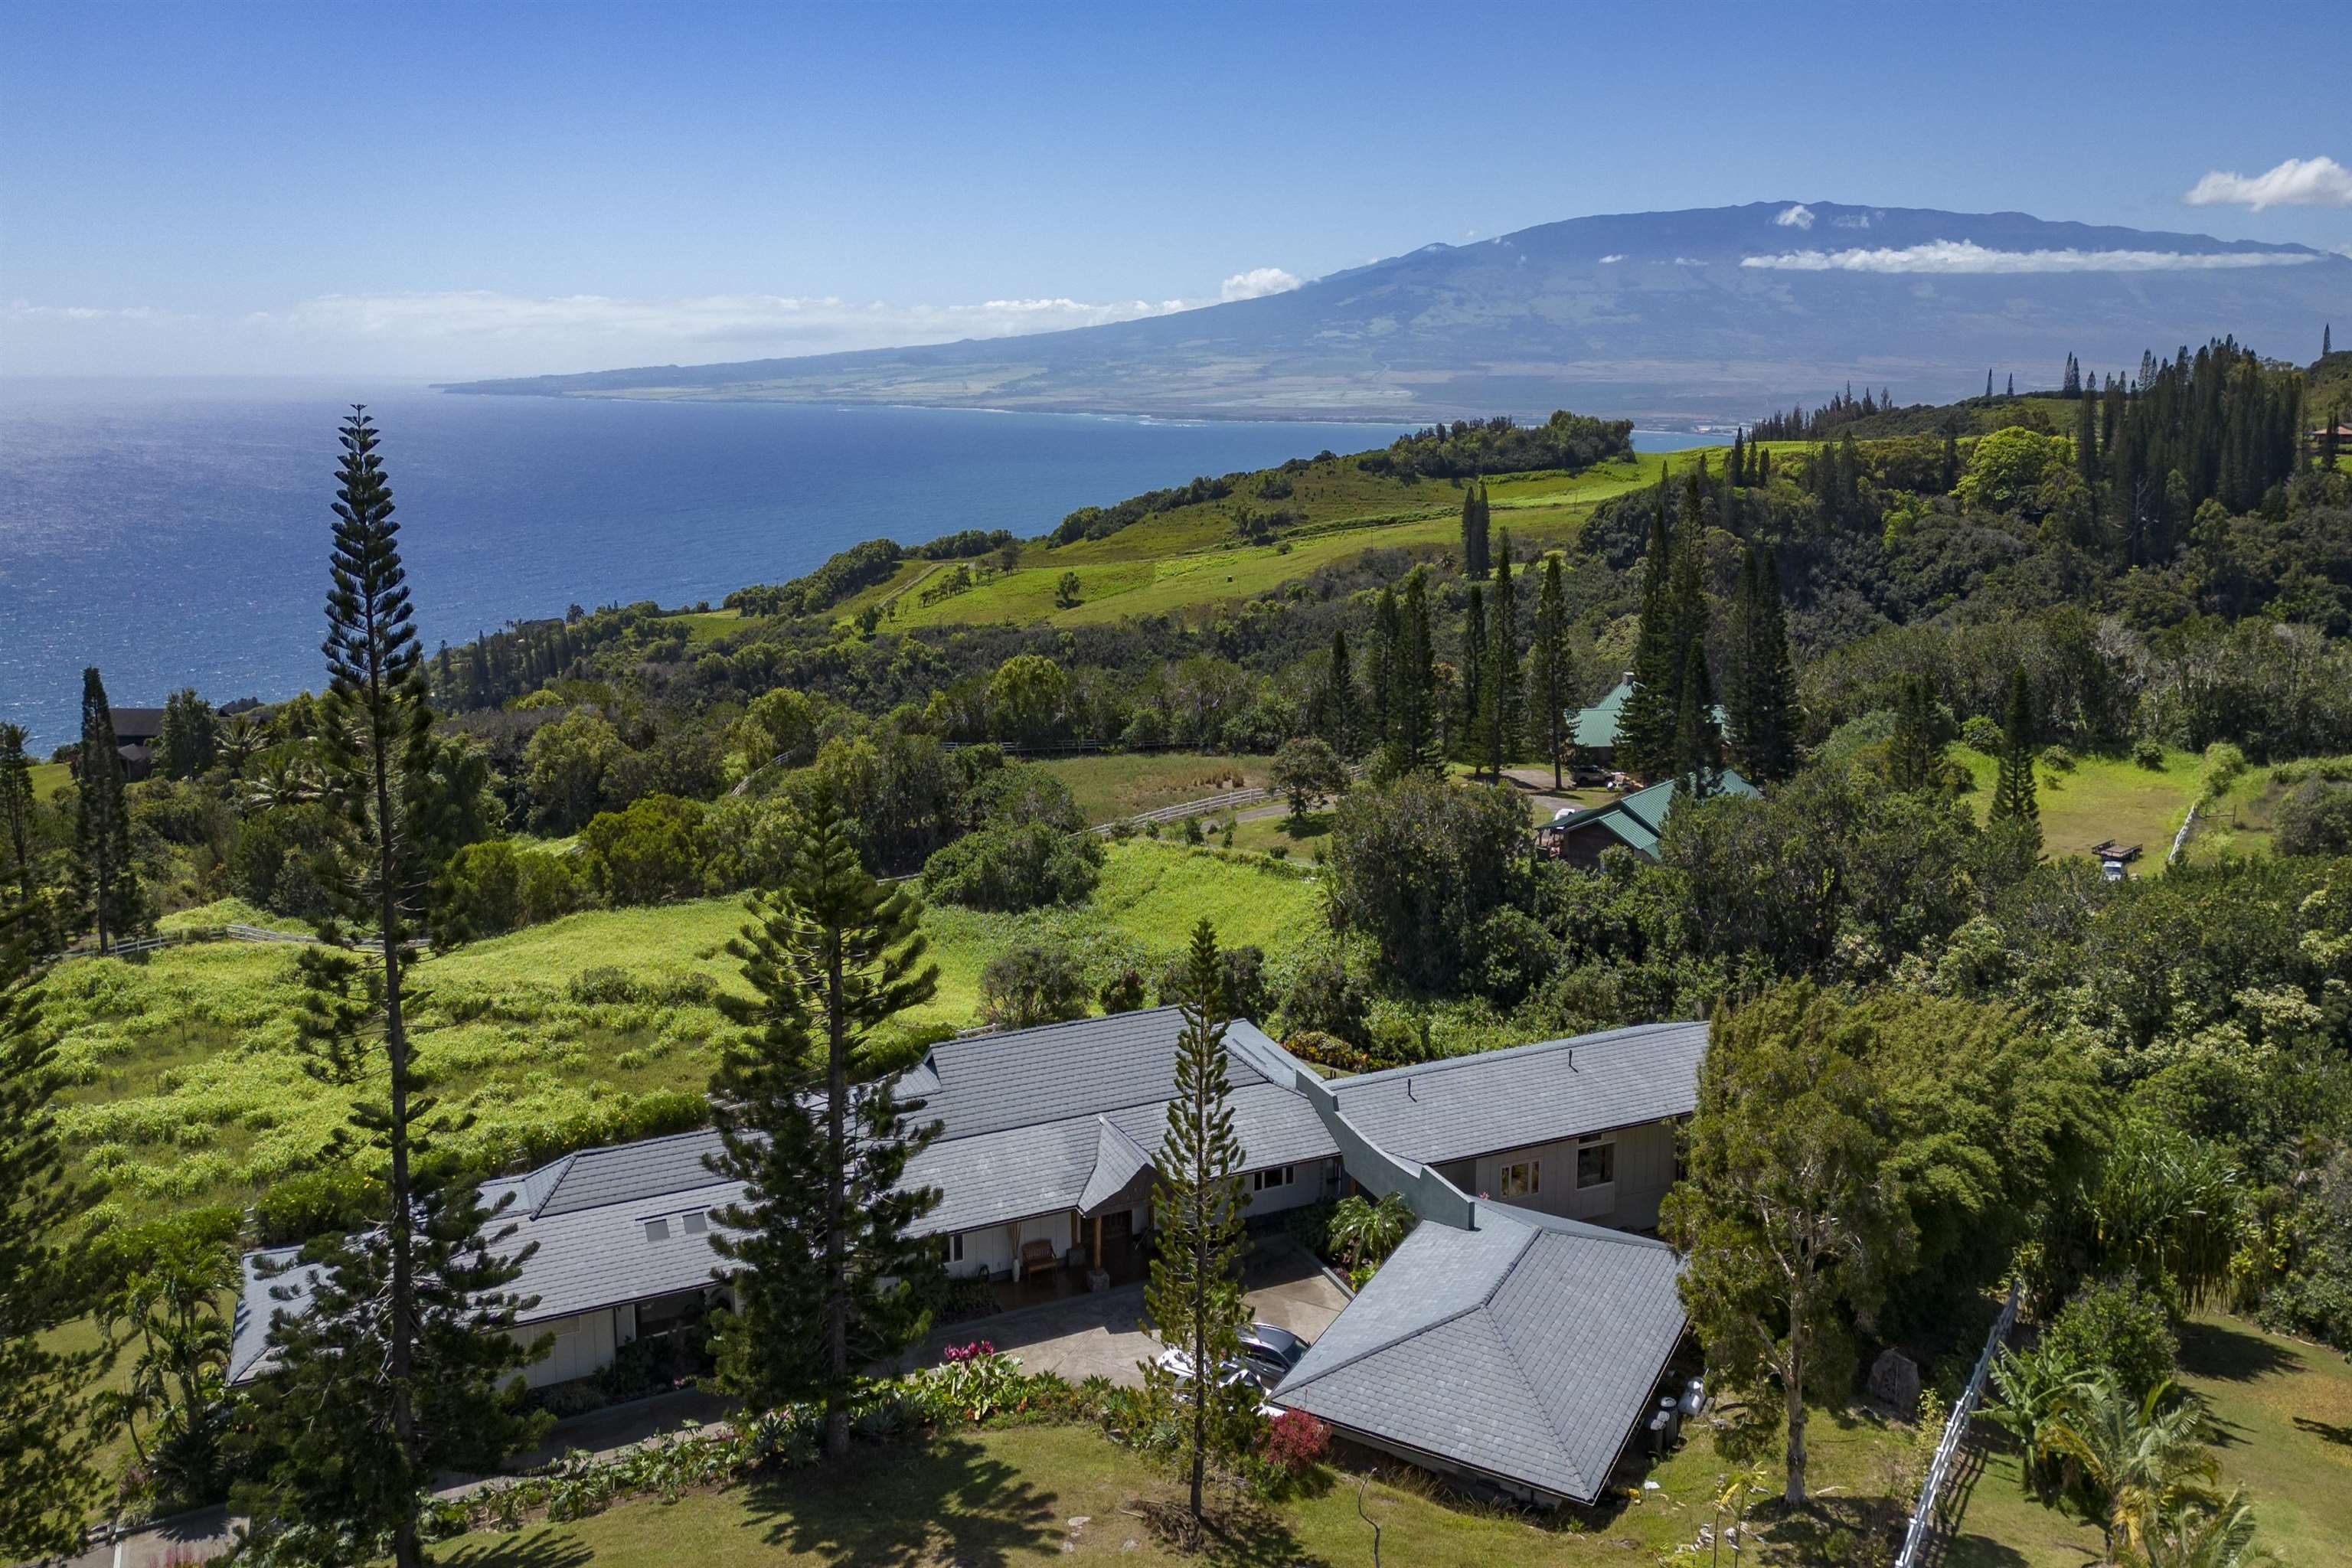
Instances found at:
x=2283 y=1419
x=1108 y=787
x=49 y=778
x=709 y=625
x=1039 y=1494
x=185 y=1067
x=2102 y=798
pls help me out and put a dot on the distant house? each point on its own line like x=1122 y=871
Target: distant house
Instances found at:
x=1045 y=1167
x=136 y=730
x=1635 y=823
x=1593 y=730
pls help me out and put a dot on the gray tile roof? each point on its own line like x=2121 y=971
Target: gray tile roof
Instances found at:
x=1462 y=1106
x=1527 y=1348
x=987 y=1083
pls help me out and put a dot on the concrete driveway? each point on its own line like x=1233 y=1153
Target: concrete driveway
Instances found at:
x=1105 y=1334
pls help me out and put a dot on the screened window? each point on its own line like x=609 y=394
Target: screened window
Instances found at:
x=1596 y=1164
x=1521 y=1178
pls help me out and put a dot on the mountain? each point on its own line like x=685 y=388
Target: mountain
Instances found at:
x=1710 y=312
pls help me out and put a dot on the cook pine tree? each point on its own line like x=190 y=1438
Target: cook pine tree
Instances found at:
x=2013 y=796
x=1499 y=717
x=16 y=816
x=1552 y=666
x=1476 y=549
x=48 y=1438
x=1765 y=720
x=1194 y=1293
x=398 y=1369
x=828 y=1280
x=1645 y=725
x=105 y=882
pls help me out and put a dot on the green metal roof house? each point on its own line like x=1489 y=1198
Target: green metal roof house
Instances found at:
x=1636 y=822
x=1593 y=730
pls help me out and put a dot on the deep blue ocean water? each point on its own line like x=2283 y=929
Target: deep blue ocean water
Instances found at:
x=174 y=532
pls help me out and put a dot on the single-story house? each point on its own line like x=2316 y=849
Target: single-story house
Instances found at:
x=1043 y=1163
x=1636 y=822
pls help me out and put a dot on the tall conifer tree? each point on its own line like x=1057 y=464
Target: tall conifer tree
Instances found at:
x=16 y=805
x=400 y=1360
x=1414 y=744
x=2013 y=797
x=106 y=881
x=1338 y=702
x=1475 y=548
x=1381 y=668
x=1194 y=1296
x=1699 y=739
x=1500 y=718
x=47 y=1433
x=1551 y=669
x=829 y=1281
x=1645 y=726
x=1473 y=669
x=1766 y=726
x=1915 y=752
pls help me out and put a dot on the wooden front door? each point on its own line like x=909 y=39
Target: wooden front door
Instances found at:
x=1118 y=1241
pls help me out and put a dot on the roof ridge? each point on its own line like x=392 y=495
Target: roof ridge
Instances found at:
x=1480 y=1305
x=1534 y=1394
x=1444 y=1064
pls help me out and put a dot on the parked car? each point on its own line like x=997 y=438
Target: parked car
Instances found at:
x=1272 y=1350
x=1230 y=1373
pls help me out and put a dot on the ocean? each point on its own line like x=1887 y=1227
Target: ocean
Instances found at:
x=174 y=532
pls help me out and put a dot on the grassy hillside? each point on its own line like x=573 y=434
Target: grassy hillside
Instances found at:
x=188 y=1088
x=2243 y=819
x=2102 y=798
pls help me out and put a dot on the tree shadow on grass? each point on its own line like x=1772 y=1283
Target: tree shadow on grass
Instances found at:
x=1240 y=1532
x=2232 y=1354
x=2325 y=1432
x=544 y=1547
x=944 y=1501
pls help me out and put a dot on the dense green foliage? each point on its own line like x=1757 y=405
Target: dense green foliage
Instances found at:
x=1500 y=446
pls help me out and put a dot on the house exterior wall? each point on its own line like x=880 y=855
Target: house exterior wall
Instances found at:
x=1644 y=1169
x=583 y=1346
x=1310 y=1183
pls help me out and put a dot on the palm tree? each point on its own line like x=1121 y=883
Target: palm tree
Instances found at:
x=1370 y=1230
x=2221 y=1536
x=2146 y=1458
x=2030 y=1392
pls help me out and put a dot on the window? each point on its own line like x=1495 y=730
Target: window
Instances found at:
x=1521 y=1178
x=696 y=1224
x=1596 y=1164
x=955 y=1248
x=656 y=1230
x=1266 y=1181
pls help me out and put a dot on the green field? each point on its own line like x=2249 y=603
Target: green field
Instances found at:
x=185 y=1065
x=1110 y=787
x=1192 y=556
x=48 y=778
x=2102 y=798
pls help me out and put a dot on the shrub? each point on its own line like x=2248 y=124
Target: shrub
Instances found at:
x=2058 y=759
x=1324 y=999
x=1294 y=1441
x=1014 y=867
x=2223 y=764
x=1981 y=733
x=1245 y=977
x=2115 y=1326
x=1032 y=985
x=316 y=1203
x=2316 y=819
x=602 y=983
x=650 y=853
x=1122 y=993
x=2149 y=755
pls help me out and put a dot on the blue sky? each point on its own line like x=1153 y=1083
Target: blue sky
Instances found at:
x=488 y=188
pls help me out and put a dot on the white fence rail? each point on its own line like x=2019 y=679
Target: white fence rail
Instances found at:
x=1956 y=1432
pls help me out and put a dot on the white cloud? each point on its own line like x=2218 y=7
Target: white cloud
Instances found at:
x=1853 y=220
x=1689 y=261
x=1257 y=282
x=2297 y=183
x=1606 y=260
x=1798 y=217
x=468 y=332
x=1963 y=256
